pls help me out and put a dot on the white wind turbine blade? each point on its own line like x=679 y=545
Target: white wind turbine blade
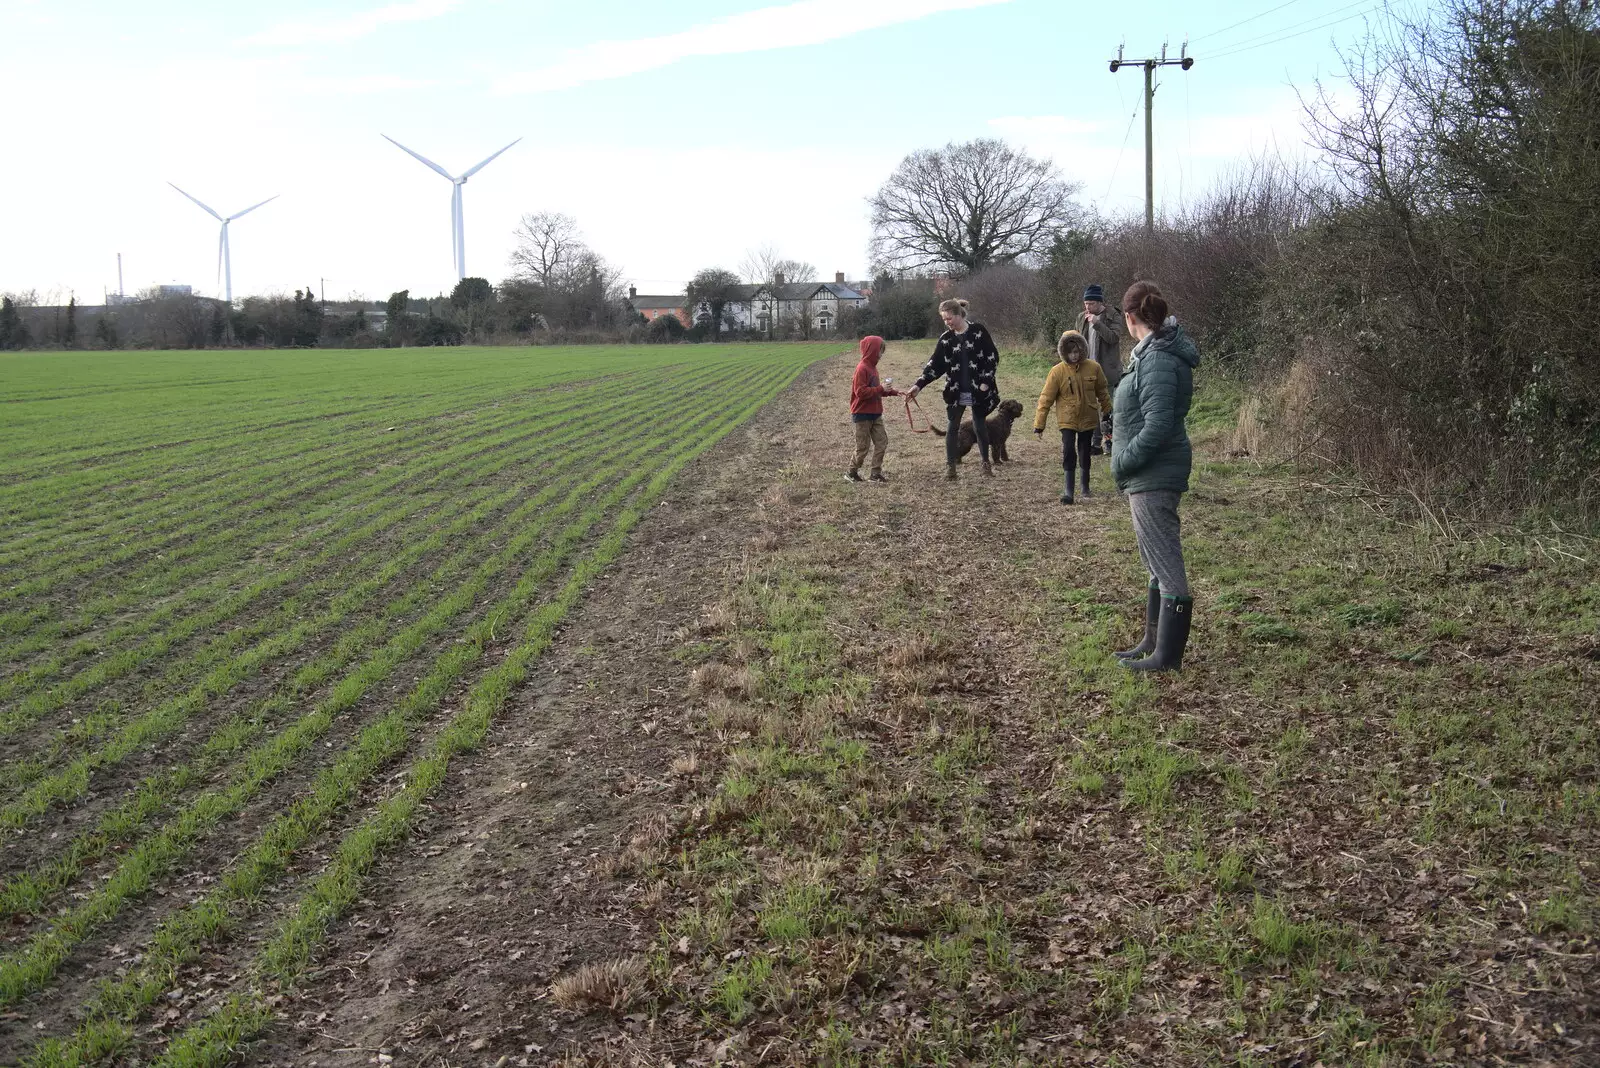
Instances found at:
x=207 y=207
x=253 y=207
x=424 y=160
x=485 y=163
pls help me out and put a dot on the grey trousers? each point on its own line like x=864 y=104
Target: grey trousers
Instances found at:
x=1157 y=526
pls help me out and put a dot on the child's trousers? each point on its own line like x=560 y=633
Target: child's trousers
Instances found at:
x=870 y=434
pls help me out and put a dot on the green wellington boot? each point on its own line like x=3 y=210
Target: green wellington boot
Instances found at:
x=1172 y=637
x=1152 y=616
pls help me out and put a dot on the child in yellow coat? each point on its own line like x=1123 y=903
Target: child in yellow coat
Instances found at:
x=1076 y=386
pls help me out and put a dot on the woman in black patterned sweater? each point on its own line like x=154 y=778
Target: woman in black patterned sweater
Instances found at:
x=966 y=357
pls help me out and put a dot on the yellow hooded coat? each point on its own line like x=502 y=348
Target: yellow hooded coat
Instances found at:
x=1078 y=391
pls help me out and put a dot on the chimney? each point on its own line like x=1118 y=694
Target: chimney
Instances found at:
x=632 y=292
x=838 y=277
x=777 y=277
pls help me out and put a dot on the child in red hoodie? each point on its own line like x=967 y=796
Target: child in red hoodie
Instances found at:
x=866 y=410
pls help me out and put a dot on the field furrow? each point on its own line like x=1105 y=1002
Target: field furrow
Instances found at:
x=284 y=640
x=173 y=469
x=27 y=969
x=447 y=467
x=245 y=628
x=185 y=517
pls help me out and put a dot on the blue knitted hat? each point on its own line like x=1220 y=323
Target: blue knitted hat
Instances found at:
x=1095 y=293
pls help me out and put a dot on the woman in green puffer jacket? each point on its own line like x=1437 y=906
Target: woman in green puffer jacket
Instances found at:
x=1150 y=462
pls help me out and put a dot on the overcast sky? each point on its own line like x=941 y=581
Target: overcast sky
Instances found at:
x=679 y=133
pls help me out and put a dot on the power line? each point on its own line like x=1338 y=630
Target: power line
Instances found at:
x=1249 y=47
x=1229 y=46
x=1133 y=117
x=1242 y=22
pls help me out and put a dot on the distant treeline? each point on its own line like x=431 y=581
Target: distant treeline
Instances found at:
x=515 y=312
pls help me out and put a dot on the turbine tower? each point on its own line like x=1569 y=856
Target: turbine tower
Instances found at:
x=224 y=258
x=458 y=241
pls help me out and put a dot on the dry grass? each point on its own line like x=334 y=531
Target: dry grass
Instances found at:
x=723 y=680
x=913 y=651
x=612 y=984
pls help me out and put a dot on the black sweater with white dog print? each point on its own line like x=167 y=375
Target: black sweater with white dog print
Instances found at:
x=968 y=359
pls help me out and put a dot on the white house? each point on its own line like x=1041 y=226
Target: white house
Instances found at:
x=768 y=308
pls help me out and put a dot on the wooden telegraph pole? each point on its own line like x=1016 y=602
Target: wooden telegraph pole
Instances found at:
x=1149 y=66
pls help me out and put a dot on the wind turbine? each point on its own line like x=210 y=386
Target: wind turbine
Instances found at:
x=224 y=258
x=458 y=241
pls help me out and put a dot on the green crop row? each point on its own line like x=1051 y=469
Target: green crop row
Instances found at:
x=225 y=504
x=215 y=1040
x=180 y=937
x=26 y=970
x=353 y=509
x=167 y=717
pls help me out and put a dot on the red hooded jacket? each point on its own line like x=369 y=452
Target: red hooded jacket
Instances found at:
x=866 y=393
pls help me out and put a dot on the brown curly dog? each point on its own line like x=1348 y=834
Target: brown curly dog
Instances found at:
x=999 y=424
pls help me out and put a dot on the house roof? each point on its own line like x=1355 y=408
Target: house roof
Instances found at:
x=745 y=293
x=793 y=291
x=641 y=302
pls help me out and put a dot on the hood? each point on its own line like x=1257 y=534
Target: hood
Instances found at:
x=1172 y=339
x=1069 y=338
x=871 y=349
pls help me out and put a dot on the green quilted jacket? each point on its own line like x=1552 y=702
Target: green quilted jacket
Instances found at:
x=1149 y=446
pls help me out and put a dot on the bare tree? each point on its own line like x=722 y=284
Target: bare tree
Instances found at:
x=966 y=207
x=547 y=243
x=766 y=265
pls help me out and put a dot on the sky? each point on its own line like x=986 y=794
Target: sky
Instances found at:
x=680 y=134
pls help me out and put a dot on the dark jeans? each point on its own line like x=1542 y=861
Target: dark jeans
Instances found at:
x=952 y=436
x=1076 y=441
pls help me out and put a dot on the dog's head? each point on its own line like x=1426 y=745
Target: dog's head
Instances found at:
x=1011 y=409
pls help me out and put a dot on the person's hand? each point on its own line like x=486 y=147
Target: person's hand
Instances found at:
x=912 y=393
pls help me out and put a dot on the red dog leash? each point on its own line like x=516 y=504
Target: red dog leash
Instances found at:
x=910 y=403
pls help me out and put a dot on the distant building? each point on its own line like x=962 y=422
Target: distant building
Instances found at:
x=653 y=308
x=764 y=308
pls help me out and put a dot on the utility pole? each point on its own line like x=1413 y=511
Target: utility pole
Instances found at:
x=1149 y=66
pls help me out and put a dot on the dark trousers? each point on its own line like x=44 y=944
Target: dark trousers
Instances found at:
x=980 y=426
x=1075 y=451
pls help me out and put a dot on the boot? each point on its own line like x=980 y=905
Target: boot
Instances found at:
x=988 y=471
x=1172 y=637
x=1086 y=493
x=1066 y=494
x=852 y=475
x=949 y=472
x=877 y=476
x=1152 y=617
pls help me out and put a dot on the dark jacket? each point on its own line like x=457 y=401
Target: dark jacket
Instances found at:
x=1151 y=450
x=866 y=392
x=972 y=353
x=1106 y=349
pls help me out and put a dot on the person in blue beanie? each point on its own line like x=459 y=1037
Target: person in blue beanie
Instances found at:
x=1102 y=328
